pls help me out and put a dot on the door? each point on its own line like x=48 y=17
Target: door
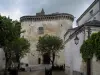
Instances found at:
x=46 y=58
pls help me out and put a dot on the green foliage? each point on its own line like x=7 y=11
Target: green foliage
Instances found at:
x=20 y=47
x=14 y=46
x=91 y=47
x=87 y=50
x=49 y=44
x=6 y=29
x=97 y=46
x=9 y=30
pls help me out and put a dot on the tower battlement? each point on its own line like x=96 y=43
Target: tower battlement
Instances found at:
x=47 y=17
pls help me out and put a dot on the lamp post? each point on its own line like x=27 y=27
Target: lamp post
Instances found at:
x=89 y=60
x=76 y=40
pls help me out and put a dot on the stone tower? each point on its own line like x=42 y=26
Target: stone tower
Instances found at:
x=41 y=24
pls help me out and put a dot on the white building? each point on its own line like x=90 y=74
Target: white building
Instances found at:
x=73 y=60
x=91 y=13
x=2 y=59
x=41 y=24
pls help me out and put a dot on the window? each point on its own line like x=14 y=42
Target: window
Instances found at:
x=91 y=12
x=40 y=30
x=39 y=60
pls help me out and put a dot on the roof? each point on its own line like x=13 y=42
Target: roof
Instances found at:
x=87 y=10
x=72 y=29
x=55 y=15
x=94 y=23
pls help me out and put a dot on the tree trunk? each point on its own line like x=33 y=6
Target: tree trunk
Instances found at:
x=89 y=66
x=18 y=64
x=18 y=61
x=53 y=59
x=6 y=64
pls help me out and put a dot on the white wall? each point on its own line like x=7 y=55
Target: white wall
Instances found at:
x=2 y=59
x=73 y=58
x=72 y=54
x=68 y=58
x=52 y=27
x=97 y=17
x=87 y=16
x=77 y=60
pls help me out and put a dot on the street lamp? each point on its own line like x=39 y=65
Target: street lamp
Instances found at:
x=76 y=40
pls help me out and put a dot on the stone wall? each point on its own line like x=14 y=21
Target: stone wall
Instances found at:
x=54 y=27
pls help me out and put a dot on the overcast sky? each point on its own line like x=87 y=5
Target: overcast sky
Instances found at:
x=17 y=8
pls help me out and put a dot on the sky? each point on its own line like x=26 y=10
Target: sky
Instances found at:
x=17 y=8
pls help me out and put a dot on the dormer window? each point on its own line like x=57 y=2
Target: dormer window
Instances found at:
x=40 y=30
x=91 y=12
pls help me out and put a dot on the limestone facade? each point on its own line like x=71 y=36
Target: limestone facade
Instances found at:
x=41 y=24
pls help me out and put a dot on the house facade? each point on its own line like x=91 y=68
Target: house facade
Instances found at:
x=90 y=19
x=41 y=24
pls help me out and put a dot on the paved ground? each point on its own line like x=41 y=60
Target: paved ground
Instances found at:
x=41 y=73
x=58 y=73
x=32 y=73
x=40 y=70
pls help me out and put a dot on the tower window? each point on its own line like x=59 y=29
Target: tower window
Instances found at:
x=40 y=30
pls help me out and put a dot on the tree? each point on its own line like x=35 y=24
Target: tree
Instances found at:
x=91 y=47
x=51 y=45
x=19 y=47
x=87 y=50
x=10 y=39
x=7 y=34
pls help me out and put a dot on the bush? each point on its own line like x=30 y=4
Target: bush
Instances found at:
x=58 y=68
x=13 y=71
x=22 y=69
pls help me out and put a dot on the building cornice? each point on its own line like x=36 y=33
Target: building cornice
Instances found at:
x=48 y=17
